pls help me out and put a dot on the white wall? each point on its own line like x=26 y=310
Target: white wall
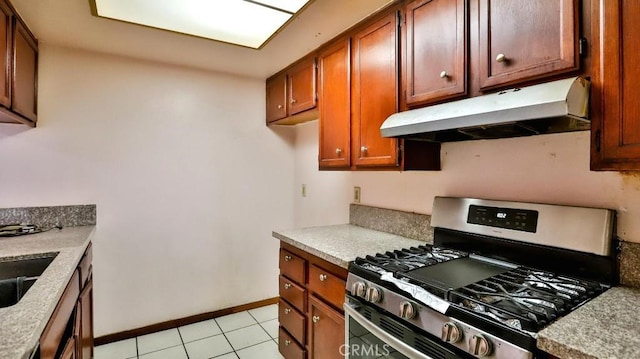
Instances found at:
x=188 y=181
x=548 y=169
x=327 y=192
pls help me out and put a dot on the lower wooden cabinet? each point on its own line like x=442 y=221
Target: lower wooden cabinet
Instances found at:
x=310 y=308
x=85 y=330
x=56 y=334
x=69 y=332
x=69 y=351
x=326 y=331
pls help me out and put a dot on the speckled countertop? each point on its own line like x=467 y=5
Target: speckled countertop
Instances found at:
x=340 y=244
x=605 y=327
x=22 y=324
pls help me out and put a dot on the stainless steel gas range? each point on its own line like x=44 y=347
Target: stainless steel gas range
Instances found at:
x=497 y=274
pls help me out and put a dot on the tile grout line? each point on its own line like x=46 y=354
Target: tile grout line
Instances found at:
x=227 y=339
x=252 y=345
x=184 y=347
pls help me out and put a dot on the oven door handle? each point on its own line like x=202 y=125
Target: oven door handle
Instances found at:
x=396 y=343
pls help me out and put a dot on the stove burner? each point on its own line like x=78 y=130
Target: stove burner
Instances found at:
x=412 y=258
x=525 y=298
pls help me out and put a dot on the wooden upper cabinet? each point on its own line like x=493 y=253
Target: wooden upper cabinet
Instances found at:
x=522 y=40
x=375 y=92
x=277 y=98
x=615 y=110
x=301 y=86
x=291 y=93
x=25 y=72
x=5 y=54
x=334 y=104
x=435 y=51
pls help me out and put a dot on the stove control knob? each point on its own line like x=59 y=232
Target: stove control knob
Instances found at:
x=451 y=332
x=480 y=346
x=407 y=310
x=358 y=289
x=373 y=295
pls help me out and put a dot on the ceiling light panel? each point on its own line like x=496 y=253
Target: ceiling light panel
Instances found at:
x=245 y=23
x=291 y=6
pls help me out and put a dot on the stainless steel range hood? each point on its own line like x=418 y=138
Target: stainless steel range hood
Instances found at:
x=557 y=106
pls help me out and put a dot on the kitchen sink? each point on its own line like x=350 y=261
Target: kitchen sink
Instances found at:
x=18 y=276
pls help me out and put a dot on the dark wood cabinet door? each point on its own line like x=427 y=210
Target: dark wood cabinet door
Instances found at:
x=85 y=330
x=302 y=86
x=25 y=71
x=69 y=351
x=276 y=98
x=375 y=92
x=435 y=50
x=5 y=54
x=326 y=331
x=615 y=109
x=54 y=332
x=522 y=40
x=334 y=106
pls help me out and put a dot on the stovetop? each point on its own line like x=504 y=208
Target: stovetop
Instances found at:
x=522 y=298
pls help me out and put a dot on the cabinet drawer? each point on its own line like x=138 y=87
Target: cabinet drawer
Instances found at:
x=292 y=320
x=293 y=266
x=293 y=293
x=288 y=347
x=327 y=286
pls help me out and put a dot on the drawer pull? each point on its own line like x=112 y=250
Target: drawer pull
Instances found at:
x=287 y=258
x=315 y=318
x=287 y=285
x=323 y=277
x=287 y=310
x=287 y=342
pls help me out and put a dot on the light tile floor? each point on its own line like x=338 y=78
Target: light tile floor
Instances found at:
x=252 y=334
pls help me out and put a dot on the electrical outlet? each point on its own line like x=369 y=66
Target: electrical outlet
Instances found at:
x=304 y=190
x=356 y=194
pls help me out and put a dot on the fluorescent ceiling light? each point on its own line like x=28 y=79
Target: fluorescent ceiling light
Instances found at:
x=247 y=23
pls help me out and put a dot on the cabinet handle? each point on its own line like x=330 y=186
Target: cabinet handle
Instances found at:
x=287 y=258
x=444 y=75
x=323 y=277
x=338 y=151
x=280 y=107
x=293 y=101
x=364 y=149
x=287 y=310
x=315 y=318
x=287 y=342
x=501 y=58
x=287 y=285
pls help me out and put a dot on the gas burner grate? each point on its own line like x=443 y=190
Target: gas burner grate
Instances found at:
x=411 y=258
x=525 y=298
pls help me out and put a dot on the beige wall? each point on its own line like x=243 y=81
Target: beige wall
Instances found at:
x=548 y=168
x=188 y=181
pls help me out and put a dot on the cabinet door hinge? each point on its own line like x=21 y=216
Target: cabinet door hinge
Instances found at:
x=399 y=17
x=583 y=46
x=399 y=159
x=597 y=139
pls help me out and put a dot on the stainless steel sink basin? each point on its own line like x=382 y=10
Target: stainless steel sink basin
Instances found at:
x=17 y=276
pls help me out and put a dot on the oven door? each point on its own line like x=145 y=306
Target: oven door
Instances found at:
x=366 y=338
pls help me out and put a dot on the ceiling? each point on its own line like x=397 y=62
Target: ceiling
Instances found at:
x=70 y=23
